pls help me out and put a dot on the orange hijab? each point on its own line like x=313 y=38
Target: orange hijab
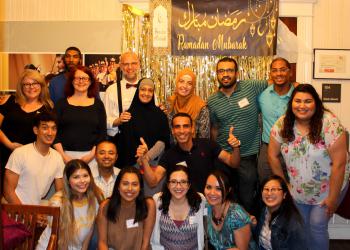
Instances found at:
x=191 y=104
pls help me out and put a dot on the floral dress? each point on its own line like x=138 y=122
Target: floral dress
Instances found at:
x=309 y=165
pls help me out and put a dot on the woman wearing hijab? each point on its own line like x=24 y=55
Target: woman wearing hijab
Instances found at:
x=147 y=122
x=185 y=100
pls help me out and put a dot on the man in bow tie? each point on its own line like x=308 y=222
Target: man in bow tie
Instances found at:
x=130 y=67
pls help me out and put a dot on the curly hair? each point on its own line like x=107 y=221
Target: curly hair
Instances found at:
x=315 y=124
x=193 y=198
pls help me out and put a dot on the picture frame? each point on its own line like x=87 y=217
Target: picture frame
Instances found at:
x=331 y=64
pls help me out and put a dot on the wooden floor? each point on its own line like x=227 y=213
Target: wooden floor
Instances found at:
x=339 y=245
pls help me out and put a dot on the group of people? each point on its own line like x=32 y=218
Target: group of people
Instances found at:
x=188 y=171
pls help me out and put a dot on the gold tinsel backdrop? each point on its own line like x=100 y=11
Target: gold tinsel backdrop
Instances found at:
x=161 y=66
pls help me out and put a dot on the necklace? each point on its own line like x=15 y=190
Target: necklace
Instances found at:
x=218 y=221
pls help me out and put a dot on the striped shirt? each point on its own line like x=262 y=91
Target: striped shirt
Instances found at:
x=239 y=110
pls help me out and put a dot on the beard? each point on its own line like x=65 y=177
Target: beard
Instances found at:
x=227 y=85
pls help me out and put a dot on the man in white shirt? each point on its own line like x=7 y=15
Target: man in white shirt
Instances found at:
x=130 y=66
x=105 y=173
x=32 y=168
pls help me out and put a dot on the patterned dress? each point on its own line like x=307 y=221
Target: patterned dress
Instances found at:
x=183 y=236
x=235 y=218
x=309 y=165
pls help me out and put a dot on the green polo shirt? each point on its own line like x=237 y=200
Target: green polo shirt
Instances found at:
x=239 y=110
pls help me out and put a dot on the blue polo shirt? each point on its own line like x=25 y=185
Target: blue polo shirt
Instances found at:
x=272 y=107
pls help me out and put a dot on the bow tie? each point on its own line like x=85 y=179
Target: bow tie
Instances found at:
x=129 y=85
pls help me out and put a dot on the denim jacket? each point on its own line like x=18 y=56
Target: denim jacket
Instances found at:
x=284 y=234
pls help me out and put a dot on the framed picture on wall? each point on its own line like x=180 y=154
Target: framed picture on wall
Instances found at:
x=331 y=63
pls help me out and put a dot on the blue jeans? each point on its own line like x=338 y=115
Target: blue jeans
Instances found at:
x=316 y=224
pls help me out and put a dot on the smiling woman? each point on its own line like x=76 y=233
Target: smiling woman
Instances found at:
x=125 y=220
x=180 y=211
x=78 y=205
x=228 y=223
x=148 y=122
x=312 y=142
x=17 y=114
x=81 y=117
x=280 y=225
x=184 y=100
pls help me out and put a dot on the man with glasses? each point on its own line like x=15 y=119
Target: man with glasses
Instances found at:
x=273 y=104
x=130 y=67
x=72 y=57
x=198 y=154
x=235 y=104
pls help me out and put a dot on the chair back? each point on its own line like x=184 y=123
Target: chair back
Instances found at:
x=28 y=215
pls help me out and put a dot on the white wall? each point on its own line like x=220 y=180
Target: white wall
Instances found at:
x=331 y=30
x=53 y=25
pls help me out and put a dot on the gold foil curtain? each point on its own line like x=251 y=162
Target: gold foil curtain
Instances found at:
x=163 y=68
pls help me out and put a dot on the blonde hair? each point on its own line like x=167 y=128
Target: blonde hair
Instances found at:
x=68 y=229
x=44 y=96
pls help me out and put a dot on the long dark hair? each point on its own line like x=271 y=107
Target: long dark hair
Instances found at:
x=315 y=125
x=69 y=88
x=224 y=184
x=193 y=198
x=287 y=209
x=115 y=200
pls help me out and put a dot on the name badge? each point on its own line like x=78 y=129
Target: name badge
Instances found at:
x=182 y=163
x=130 y=223
x=192 y=220
x=243 y=103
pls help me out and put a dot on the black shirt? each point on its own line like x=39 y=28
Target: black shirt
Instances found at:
x=80 y=127
x=200 y=160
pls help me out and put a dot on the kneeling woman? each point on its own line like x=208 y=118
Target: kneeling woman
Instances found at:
x=78 y=208
x=228 y=223
x=280 y=225
x=180 y=211
x=126 y=219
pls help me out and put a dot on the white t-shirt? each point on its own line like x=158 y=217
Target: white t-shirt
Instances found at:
x=36 y=172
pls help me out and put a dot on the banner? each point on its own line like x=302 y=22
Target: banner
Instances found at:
x=240 y=27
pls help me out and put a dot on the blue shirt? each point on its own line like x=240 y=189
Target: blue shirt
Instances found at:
x=56 y=87
x=272 y=107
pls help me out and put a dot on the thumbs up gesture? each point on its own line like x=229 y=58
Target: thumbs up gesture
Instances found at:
x=142 y=149
x=232 y=140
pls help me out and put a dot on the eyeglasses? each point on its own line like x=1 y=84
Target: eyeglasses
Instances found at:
x=30 y=85
x=221 y=71
x=83 y=79
x=174 y=183
x=272 y=190
x=282 y=70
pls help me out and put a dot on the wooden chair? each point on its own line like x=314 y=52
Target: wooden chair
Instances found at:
x=28 y=215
